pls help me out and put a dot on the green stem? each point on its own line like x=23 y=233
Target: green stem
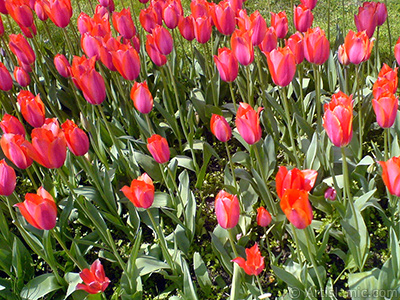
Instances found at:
x=28 y=171
x=314 y=263
x=296 y=240
x=232 y=167
x=360 y=118
x=69 y=44
x=386 y=136
x=46 y=28
x=259 y=285
x=210 y=74
x=318 y=97
x=60 y=241
x=249 y=86
x=149 y=124
x=300 y=72
x=289 y=125
x=163 y=243
x=232 y=242
x=176 y=187
x=233 y=96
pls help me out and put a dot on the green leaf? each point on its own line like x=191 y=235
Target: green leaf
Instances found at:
x=287 y=277
x=149 y=264
x=72 y=279
x=364 y=282
x=200 y=270
x=40 y=286
x=188 y=286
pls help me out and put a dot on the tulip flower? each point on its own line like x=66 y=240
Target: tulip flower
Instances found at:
x=236 y=4
x=294 y=179
x=141 y=97
x=186 y=27
x=3 y=8
x=316 y=46
x=385 y=108
x=8 y=179
x=6 y=82
x=32 y=108
x=302 y=18
x=171 y=13
x=342 y=55
x=127 y=61
x=309 y=3
x=227 y=64
x=20 y=12
x=158 y=148
x=366 y=19
x=202 y=29
x=330 y=193
x=60 y=12
x=358 y=47
x=220 y=128
x=281 y=65
x=254 y=264
x=280 y=22
x=390 y=175
x=21 y=76
x=40 y=10
x=295 y=43
x=10 y=124
x=39 y=209
x=227 y=209
x=148 y=18
x=199 y=8
x=248 y=123
x=242 y=47
x=224 y=18
x=338 y=119
x=263 y=217
x=397 y=51
x=258 y=28
x=123 y=23
x=91 y=45
x=297 y=208
x=381 y=13
x=95 y=280
x=141 y=191
x=62 y=65
x=21 y=48
x=155 y=55
x=270 y=40
x=48 y=147
x=163 y=40
x=11 y=144
x=387 y=81
x=77 y=140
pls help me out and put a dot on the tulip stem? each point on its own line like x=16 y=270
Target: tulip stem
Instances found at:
x=176 y=187
x=233 y=96
x=360 y=118
x=45 y=25
x=300 y=72
x=388 y=26
x=259 y=285
x=69 y=44
x=232 y=167
x=314 y=263
x=296 y=240
x=210 y=74
x=163 y=243
x=289 y=125
x=59 y=240
x=30 y=175
x=387 y=145
x=249 y=86
x=149 y=124
x=317 y=77
x=231 y=241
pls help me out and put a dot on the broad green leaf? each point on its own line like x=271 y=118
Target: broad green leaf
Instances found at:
x=149 y=264
x=40 y=286
x=364 y=282
x=202 y=276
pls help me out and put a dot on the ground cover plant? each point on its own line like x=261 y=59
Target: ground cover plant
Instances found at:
x=199 y=150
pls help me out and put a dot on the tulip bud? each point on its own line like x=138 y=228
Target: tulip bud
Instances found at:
x=95 y=279
x=186 y=27
x=248 y=123
x=242 y=47
x=202 y=29
x=77 y=139
x=282 y=65
x=227 y=64
x=254 y=264
x=123 y=23
x=62 y=65
x=270 y=40
x=220 y=128
x=224 y=18
x=295 y=43
x=309 y=3
x=32 y=108
x=227 y=209
x=297 y=208
x=303 y=18
x=385 y=107
x=330 y=194
x=158 y=148
x=358 y=47
x=342 y=55
x=21 y=76
x=163 y=40
x=11 y=144
x=8 y=179
x=10 y=124
x=141 y=191
x=280 y=23
x=6 y=82
x=316 y=46
x=21 y=48
x=294 y=179
x=366 y=19
x=263 y=217
x=141 y=97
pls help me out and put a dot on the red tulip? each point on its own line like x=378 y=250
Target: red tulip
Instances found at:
x=297 y=208
x=40 y=10
x=127 y=61
x=366 y=19
x=6 y=82
x=248 y=123
x=163 y=40
x=39 y=209
x=295 y=43
x=11 y=144
x=358 y=47
x=186 y=27
x=62 y=65
x=385 y=108
x=32 y=108
x=20 y=12
x=8 y=179
x=10 y=124
x=294 y=179
x=342 y=55
x=21 y=76
x=330 y=193
x=199 y=8
x=391 y=175
x=280 y=22
x=141 y=97
x=48 y=147
x=309 y=3
x=254 y=264
x=338 y=119
x=172 y=13
x=263 y=217
x=281 y=65
x=202 y=29
x=3 y=8
x=227 y=64
x=21 y=48
x=387 y=81
x=220 y=128
x=123 y=23
x=242 y=47
x=153 y=52
x=381 y=13
x=258 y=28
x=303 y=18
x=227 y=209
x=60 y=12
x=91 y=45
x=270 y=40
x=148 y=18
x=158 y=148
x=95 y=280
x=316 y=46
x=109 y=4
x=141 y=191
x=84 y=23
x=397 y=51
x=236 y=4
x=224 y=18
x=77 y=139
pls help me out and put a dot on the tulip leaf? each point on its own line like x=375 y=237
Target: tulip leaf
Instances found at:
x=188 y=286
x=395 y=250
x=221 y=253
x=201 y=272
x=287 y=277
x=40 y=286
x=72 y=279
x=361 y=284
x=149 y=264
